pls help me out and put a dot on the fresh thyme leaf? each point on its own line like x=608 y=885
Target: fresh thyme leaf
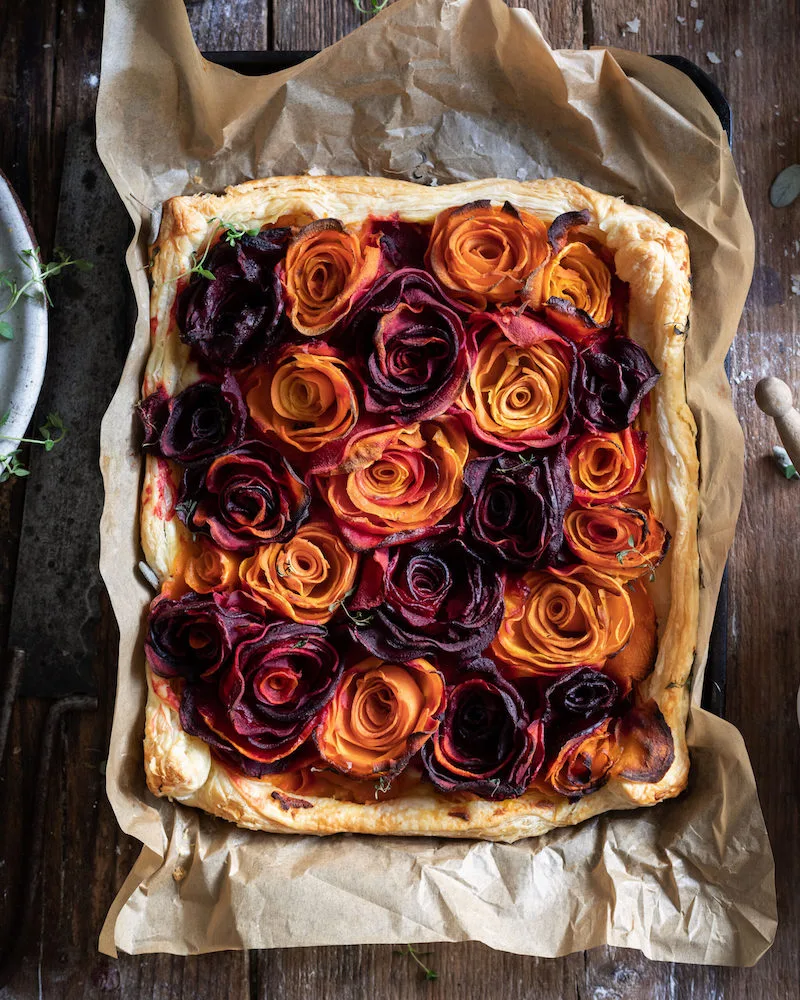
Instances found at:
x=6 y=330
x=5 y=417
x=186 y=509
x=417 y=956
x=370 y=6
x=10 y=466
x=383 y=784
x=358 y=618
x=301 y=643
x=40 y=275
x=234 y=232
x=631 y=541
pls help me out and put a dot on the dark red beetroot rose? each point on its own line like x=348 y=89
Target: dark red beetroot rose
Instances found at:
x=403 y=243
x=579 y=696
x=246 y=498
x=426 y=599
x=616 y=375
x=516 y=506
x=193 y=637
x=267 y=700
x=485 y=743
x=233 y=320
x=412 y=342
x=203 y=421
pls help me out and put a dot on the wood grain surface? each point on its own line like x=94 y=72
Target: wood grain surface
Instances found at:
x=48 y=81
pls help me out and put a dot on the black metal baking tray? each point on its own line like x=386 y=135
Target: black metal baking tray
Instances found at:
x=261 y=63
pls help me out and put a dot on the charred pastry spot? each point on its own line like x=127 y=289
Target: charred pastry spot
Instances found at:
x=289 y=802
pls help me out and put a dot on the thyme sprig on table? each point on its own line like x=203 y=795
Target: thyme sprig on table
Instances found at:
x=412 y=952
x=40 y=273
x=52 y=431
x=370 y=6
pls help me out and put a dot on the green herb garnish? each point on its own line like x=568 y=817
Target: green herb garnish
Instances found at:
x=412 y=952
x=52 y=432
x=40 y=274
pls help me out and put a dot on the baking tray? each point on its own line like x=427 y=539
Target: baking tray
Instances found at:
x=261 y=63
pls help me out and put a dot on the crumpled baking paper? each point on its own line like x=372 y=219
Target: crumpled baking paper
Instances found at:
x=436 y=91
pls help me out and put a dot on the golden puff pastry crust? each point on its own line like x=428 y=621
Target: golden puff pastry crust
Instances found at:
x=653 y=258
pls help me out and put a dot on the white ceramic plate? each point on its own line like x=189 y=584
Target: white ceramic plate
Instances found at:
x=23 y=359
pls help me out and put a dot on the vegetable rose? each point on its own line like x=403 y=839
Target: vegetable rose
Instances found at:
x=412 y=341
x=636 y=747
x=234 y=319
x=604 y=467
x=326 y=270
x=625 y=539
x=563 y=618
x=381 y=715
x=585 y=762
x=576 y=281
x=304 y=578
x=616 y=375
x=520 y=388
x=428 y=598
x=307 y=400
x=245 y=498
x=486 y=743
x=482 y=253
x=207 y=569
x=193 y=636
x=268 y=699
x=517 y=506
x=579 y=696
x=204 y=420
x=398 y=483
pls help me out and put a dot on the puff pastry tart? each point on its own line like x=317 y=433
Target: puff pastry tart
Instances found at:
x=420 y=491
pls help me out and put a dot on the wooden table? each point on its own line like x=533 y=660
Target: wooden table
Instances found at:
x=48 y=80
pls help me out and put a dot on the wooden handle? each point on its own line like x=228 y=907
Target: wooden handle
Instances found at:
x=774 y=397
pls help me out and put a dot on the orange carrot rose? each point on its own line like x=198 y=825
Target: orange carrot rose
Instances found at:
x=563 y=618
x=576 y=281
x=326 y=269
x=604 y=467
x=305 y=578
x=627 y=540
x=380 y=716
x=307 y=401
x=519 y=390
x=204 y=568
x=585 y=762
x=398 y=483
x=482 y=253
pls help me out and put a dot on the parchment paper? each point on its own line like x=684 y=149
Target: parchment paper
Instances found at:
x=437 y=91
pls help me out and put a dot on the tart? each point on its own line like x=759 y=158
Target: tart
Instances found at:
x=420 y=494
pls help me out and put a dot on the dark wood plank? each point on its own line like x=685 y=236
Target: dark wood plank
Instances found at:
x=236 y=26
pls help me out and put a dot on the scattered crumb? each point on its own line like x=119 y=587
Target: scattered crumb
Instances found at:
x=795 y=284
x=179 y=873
x=694 y=3
x=92 y=79
x=713 y=58
x=47 y=45
x=522 y=174
x=744 y=376
x=796 y=245
x=679 y=19
x=633 y=25
x=738 y=53
x=315 y=172
x=698 y=25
